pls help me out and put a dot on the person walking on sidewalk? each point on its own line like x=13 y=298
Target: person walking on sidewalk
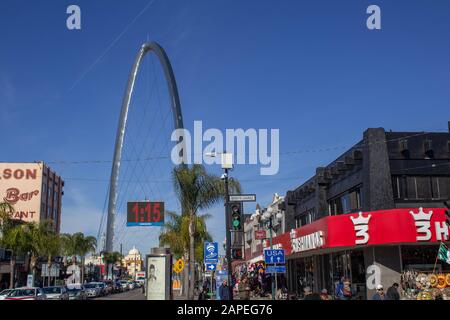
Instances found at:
x=244 y=289
x=392 y=292
x=224 y=291
x=380 y=293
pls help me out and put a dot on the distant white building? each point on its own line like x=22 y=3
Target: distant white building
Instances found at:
x=253 y=223
x=133 y=262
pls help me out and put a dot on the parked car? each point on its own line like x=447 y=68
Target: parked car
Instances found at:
x=93 y=290
x=124 y=284
x=117 y=287
x=104 y=288
x=77 y=292
x=4 y=293
x=26 y=294
x=131 y=285
x=56 y=293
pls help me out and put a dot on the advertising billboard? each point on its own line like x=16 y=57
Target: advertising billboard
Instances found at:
x=20 y=186
x=158 y=277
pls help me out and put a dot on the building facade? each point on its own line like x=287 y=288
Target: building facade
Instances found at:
x=375 y=215
x=253 y=224
x=372 y=214
x=133 y=262
x=35 y=192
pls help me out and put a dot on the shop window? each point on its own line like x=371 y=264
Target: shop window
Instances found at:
x=420 y=187
x=423 y=187
x=305 y=218
x=346 y=203
x=422 y=259
x=304 y=270
x=444 y=187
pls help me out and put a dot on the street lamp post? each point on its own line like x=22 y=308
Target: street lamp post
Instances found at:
x=227 y=163
x=267 y=218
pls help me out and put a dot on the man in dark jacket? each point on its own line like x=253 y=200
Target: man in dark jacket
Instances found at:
x=309 y=295
x=392 y=292
x=224 y=291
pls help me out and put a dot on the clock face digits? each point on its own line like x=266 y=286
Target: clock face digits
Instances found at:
x=145 y=213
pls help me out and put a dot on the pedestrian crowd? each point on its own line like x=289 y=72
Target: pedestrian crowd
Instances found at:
x=258 y=286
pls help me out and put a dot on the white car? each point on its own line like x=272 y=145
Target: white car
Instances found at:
x=124 y=285
x=26 y=294
x=93 y=290
x=131 y=285
x=4 y=293
x=56 y=293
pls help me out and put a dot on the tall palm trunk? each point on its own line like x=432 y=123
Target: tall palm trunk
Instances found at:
x=12 y=271
x=49 y=267
x=191 y=256
x=82 y=269
x=186 y=274
x=33 y=262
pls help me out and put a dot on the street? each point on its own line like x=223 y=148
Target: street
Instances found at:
x=135 y=294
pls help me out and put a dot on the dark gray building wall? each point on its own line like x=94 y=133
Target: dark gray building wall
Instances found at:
x=377 y=183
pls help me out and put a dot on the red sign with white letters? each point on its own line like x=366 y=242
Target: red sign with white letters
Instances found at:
x=393 y=226
x=260 y=234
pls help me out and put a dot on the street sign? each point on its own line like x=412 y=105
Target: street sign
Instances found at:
x=276 y=269
x=210 y=266
x=274 y=256
x=30 y=281
x=178 y=266
x=211 y=252
x=260 y=234
x=242 y=198
x=145 y=213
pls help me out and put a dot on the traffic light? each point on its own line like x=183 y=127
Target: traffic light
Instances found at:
x=236 y=254
x=236 y=216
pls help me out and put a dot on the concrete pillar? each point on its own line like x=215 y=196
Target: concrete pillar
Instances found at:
x=377 y=182
x=387 y=259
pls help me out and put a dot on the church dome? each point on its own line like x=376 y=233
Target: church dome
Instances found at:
x=133 y=252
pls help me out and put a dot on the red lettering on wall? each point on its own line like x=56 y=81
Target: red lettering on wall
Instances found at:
x=28 y=174
x=13 y=195
x=7 y=173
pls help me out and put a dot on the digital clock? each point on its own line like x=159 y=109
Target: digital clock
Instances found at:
x=145 y=213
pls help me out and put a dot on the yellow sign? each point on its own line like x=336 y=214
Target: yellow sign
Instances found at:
x=176 y=284
x=178 y=266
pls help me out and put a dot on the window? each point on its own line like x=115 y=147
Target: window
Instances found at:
x=421 y=187
x=347 y=202
x=305 y=218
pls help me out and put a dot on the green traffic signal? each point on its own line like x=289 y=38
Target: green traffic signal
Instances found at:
x=236 y=216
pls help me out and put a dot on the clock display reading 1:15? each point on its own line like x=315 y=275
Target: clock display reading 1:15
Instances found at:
x=145 y=213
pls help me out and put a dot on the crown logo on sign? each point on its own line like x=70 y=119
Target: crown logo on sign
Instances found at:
x=361 y=219
x=421 y=215
x=293 y=234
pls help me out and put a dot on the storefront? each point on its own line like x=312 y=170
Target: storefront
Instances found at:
x=368 y=248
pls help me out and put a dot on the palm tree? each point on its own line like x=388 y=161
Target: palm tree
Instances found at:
x=86 y=245
x=13 y=236
x=111 y=258
x=43 y=240
x=78 y=245
x=175 y=233
x=197 y=190
x=68 y=249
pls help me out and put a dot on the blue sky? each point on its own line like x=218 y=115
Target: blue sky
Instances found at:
x=310 y=68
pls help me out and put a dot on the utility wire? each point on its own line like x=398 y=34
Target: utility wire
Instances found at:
x=285 y=153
